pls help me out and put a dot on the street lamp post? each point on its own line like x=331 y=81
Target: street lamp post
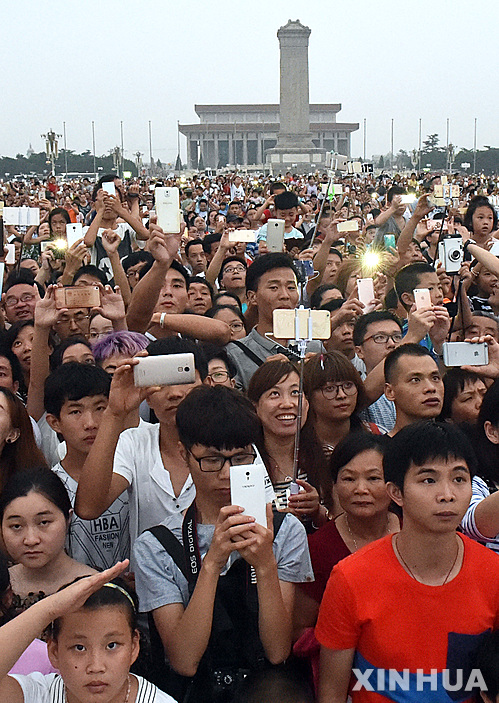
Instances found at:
x=51 y=147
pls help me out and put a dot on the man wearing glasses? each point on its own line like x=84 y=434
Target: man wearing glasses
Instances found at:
x=20 y=296
x=232 y=278
x=230 y=612
x=375 y=335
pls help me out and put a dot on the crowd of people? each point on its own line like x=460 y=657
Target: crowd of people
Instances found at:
x=126 y=573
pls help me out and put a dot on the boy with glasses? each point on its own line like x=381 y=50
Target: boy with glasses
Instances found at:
x=226 y=611
x=20 y=296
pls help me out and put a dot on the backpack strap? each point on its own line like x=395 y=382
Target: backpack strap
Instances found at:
x=250 y=354
x=278 y=519
x=172 y=546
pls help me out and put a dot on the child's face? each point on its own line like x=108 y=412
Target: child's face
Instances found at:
x=94 y=651
x=79 y=421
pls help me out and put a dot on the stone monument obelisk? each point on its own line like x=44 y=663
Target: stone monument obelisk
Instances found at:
x=294 y=148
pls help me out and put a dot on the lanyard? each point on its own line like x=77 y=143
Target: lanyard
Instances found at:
x=190 y=543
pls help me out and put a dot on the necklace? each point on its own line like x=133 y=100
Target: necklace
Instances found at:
x=408 y=568
x=351 y=533
x=126 y=697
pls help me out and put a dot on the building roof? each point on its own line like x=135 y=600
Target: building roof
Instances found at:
x=203 y=109
x=263 y=127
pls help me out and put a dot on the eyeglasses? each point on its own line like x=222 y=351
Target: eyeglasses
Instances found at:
x=219 y=376
x=331 y=390
x=236 y=326
x=212 y=464
x=382 y=338
x=234 y=269
x=79 y=318
x=11 y=301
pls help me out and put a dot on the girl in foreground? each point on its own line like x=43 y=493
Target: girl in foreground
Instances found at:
x=93 y=642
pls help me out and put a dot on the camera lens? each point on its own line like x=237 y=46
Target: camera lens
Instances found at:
x=455 y=255
x=187 y=368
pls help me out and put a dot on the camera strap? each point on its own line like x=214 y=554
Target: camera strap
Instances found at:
x=190 y=543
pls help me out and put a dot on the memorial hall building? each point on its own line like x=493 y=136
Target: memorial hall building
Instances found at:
x=241 y=134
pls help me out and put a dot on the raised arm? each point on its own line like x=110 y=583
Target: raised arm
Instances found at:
x=111 y=242
x=218 y=259
x=125 y=214
x=390 y=210
x=195 y=326
x=163 y=248
x=422 y=209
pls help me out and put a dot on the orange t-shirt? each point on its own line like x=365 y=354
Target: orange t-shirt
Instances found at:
x=397 y=624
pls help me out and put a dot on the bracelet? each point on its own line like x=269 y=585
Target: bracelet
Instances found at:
x=162 y=319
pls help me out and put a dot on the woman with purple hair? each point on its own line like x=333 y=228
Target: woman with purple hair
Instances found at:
x=117 y=346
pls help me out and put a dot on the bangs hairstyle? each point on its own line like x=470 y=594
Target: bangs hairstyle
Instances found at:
x=332 y=367
x=268 y=375
x=475 y=203
x=40 y=480
x=423 y=442
x=218 y=417
x=345 y=270
x=106 y=597
x=351 y=446
x=72 y=382
x=121 y=343
x=455 y=380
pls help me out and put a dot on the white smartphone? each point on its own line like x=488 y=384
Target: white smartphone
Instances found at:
x=74 y=232
x=247 y=489
x=2 y=271
x=242 y=235
x=166 y=370
x=10 y=257
x=336 y=189
x=422 y=298
x=275 y=235
x=407 y=199
x=365 y=290
x=465 y=354
x=167 y=203
x=109 y=188
x=284 y=324
x=348 y=226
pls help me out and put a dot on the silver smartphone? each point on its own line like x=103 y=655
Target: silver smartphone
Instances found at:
x=275 y=235
x=465 y=354
x=166 y=370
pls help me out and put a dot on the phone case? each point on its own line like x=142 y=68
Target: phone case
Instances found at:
x=247 y=489
x=365 y=290
x=422 y=298
x=167 y=205
x=166 y=370
x=348 y=226
x=284 y=324
x=275 y=235
x=10 y=257
x=109 y=188
x=389 y=240
x=465 y=354
x=77 y=297
x=242 y=235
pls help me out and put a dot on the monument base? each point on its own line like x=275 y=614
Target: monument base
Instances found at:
x=292 y=159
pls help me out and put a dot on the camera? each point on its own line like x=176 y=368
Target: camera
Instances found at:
x=450 y=253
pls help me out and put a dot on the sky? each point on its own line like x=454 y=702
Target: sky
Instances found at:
x=111 y=61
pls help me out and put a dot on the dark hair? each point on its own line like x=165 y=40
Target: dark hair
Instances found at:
x=107 y=596
x=91 y=270
x=40 y=480
x=265 y=263
x=363 y=322
x=136 y=257
x=229 y=419
x=58 y=211
x=72 y=382
x=276 y=186
x=193 y=242
x=392 y=358
x=487 y=451
x=212 y=351
x=331 y=367
x=420 y=442
x=283 y=685
x=216 y=308
x=13 y=332
x=57 y=355
x=230 y=295
x=475 y=203
x=107 y=178
x=286 y=200
x=209 y=240
x=391 y=300
x=180 y=269
x=200 y=279
x=455 y=380
x=23 y=276
x=179 y=345
x=316 y=297
x=238 y=259
x=15 y=366
x=394 y=190
x=407 y=279
x=351 y=446
x=24 y=452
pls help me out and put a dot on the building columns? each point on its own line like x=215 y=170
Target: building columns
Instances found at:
x=245 y=149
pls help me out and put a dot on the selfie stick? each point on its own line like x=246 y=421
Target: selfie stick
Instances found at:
x=302 y=347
